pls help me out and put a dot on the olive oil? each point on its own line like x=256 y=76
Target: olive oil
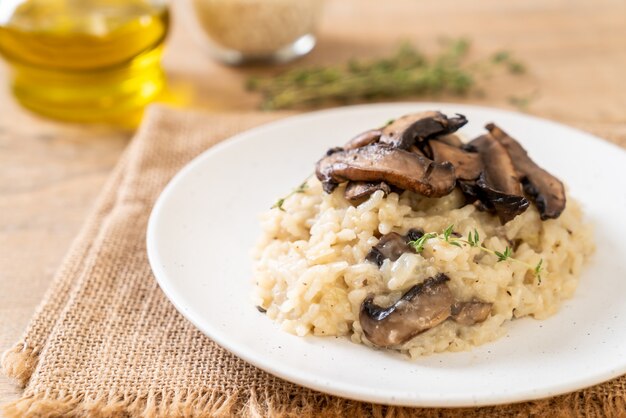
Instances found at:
x=85 y=60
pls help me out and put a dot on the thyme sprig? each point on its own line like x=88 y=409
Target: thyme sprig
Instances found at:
x=473 y=240
x=506 y=58
x=300 y=189
x=406 y=73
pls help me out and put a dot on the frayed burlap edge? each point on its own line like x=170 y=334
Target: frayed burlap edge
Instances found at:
x=249 y=405
x=19 y=362
x=108 y=405
x=303 y=405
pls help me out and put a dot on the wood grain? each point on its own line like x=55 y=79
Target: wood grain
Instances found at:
x=50 y=172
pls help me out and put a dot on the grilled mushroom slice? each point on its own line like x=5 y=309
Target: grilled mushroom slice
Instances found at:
x=422 y=307
x=414 y=234
x=451 y=139
x=467 y=165
x=416 y=127
x=391 y=246
x=416 y=150
x=542 y=187
x=499 y=168
x=358 y=191
x=377 y=162
x=498 y=186
x=363 y=139
x=504 y=204
x=470 y=313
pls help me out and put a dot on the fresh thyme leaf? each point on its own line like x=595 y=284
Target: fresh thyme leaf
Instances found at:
x=406 y=73
x=279 y=204
x=506 y=58
x=300 y=189
x=538 y=270
x=418 y=244
x=504 y=255
x=447 y=232
x=516 y=67
x=501 y=56
x=473 y=240
x=389 y=122
x=458 y=47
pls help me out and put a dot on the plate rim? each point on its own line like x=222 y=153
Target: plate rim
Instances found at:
x=347 y=391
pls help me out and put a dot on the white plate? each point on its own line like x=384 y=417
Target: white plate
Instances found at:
x=206 y=221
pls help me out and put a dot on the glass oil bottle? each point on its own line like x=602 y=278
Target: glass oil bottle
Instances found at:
x=85 y=60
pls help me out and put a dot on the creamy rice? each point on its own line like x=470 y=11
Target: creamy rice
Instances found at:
x=311 y=275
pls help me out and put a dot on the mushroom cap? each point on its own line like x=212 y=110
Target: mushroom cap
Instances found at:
x=470 y=313
x=542 y=187
x=391 y=246
x=363 y=139
x=358 y=191
x=467 y=165
x=450 y=139
x=397 y=167
x=422 y=307
x=416 y=127
x=498 y=187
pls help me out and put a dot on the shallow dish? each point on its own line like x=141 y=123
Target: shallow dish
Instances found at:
x=206 y=221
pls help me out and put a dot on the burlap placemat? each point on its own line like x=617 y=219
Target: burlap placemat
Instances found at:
x=106 y=342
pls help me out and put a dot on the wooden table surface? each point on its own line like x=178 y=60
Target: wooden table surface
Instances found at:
x=50 y=172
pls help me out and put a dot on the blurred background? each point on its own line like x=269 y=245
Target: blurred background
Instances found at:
x=568 y=49
x=559 y=59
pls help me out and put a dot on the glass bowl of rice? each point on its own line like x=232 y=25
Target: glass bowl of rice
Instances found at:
x=257 y=31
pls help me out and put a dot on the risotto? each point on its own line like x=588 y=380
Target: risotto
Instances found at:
x=321 y=266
